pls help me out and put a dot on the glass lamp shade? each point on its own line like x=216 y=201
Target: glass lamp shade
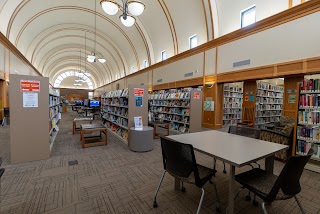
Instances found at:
x=102 y=60
x=135 y=8
x=109 y=7
x=128 y=22
x=91 y=58
x=87 y=74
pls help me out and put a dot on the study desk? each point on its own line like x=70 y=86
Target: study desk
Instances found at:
x=233 y=149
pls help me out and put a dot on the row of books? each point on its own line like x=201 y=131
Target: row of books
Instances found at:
x=181 y=111
x=179 y=127
x=269 y=87
x=310 y=85
x=118 y=93
x=232 y=105
x=309 y=116
x=55 y=92
x=303 y=148
x=309 y=100
x=263 y=120
x=116 y=101
x=268 y=113
x=232 y=111
x=171 y=117
x=308 y=133
x=268 y=100
x=232 y=116
x=123 y=133
x=231 y=122
x=115 y=119
x=54 y=101
x=232 y=88
x=232 y=94
x=53 y=112
x=272 y=94
x=167 y=95
x=232 y=100
x=268 y=107
x=174 y=103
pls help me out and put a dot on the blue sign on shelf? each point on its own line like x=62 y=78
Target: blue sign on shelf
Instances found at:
x=138 y=101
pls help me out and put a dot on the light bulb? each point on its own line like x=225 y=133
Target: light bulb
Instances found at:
x=128 y=22
x=109 y=7
x=102 y=60
x=136 y=8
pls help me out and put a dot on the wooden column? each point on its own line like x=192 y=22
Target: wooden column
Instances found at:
x=248 y=107
x=290 y=83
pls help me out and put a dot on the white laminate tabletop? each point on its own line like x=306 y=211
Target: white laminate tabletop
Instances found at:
x=233 y=149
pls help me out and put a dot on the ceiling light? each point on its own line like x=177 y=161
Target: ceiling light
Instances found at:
x=109 y=7
x=102 y=60
x=128 y=22
x=136 y=8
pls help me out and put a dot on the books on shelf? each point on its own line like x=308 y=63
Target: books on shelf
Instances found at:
x=232 y=104
x=309 y=100
x=303 y=148
x=310 y=85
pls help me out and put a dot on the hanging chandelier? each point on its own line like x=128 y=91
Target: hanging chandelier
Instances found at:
x=130 y=8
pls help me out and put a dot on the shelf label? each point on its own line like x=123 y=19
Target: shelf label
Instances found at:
x=138 y=92
x=30 y=85
x=196 y=95
x=30 y=100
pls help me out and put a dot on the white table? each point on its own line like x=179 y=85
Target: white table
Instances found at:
x=233 y=149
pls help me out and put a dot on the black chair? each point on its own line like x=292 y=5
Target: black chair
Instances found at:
x=270 y=187
x=179 y=161
x=6 y=118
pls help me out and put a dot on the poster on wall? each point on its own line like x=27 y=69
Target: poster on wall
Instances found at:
x=30 y=86
x=251 y=98
x=292 y=98
x=246 y=98
x=208 y=105
x=196 y=95
x=138 y=92
x=139 y=102
x=30 y=100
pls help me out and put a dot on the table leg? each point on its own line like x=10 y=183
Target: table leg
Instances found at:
x=231 y=190
x=177 y=184
x=105 y=132
x=269 y=164
x=73 y=128
x=82 y=138
x=154 y=132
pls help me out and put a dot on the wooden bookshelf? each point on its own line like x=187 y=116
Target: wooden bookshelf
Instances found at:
x=180 y=107
x=269 y=103
x=54 y=114
x=118 y=109
x=232 y=104
x=308 y=122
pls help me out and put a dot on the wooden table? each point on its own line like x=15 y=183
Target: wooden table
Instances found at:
x=162 y=124
x=236 y=150
x=77 y=120
x=89 y=128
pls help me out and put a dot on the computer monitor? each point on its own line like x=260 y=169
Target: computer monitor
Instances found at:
x=78 y=102
x=86 y=103
x=94 y=103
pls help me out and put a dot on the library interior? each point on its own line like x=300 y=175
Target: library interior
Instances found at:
x=168 y=106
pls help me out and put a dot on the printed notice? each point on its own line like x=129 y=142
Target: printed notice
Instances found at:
x=30 y=100
x=30 y=85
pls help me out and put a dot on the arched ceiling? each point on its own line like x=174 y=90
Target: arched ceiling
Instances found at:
x=51 y=34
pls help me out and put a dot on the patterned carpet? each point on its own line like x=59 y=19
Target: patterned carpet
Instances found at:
x=112 y=179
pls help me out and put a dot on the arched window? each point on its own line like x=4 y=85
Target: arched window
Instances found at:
x=82 y=76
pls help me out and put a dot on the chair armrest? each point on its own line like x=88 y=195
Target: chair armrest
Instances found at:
x=275 y=132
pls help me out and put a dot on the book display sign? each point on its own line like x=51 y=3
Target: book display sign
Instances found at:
x=139 y=101
x=138 y=123
x=30 y=100
x=30 y=86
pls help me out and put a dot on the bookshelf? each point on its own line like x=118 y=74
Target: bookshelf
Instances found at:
x=54 y=114
x=269 y=103
x=308 y=124
x=180 y=107
x=118 y=109
x=232 y=104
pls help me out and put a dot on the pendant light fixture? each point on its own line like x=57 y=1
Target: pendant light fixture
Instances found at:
x=133 y=7
x=92 y=57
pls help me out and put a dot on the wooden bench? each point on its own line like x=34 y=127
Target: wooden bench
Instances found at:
x=162 y=124
x=88 y=129
x=78 y=120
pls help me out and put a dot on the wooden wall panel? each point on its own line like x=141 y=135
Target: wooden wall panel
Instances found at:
x=313 y=65
x=290 y=83
x=218 y=106
x=248 y=108
x=290 y=68
x=208 y=117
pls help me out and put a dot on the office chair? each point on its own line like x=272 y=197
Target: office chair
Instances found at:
x=6 y=118
x=270 y=187
x=180 y=162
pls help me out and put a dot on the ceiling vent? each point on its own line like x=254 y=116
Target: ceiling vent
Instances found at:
x=159 y=80
x=190 y=74
x=241 y=63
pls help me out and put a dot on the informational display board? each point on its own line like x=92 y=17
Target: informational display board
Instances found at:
x=30 y=86
x=138 y=92
x=138 y=124
x=30 y=100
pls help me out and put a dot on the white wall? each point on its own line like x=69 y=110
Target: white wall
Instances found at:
x=138 y=79
x=229 y=12
x=294 y=40
x=175 y=71
x=210 y=63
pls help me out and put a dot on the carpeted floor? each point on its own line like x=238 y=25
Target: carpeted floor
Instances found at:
x=112 y=179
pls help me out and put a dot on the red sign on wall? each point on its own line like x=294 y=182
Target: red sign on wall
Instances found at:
x=30 y=86
x=138 y=92
x=196 y=95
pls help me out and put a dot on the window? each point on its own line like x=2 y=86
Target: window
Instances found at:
x=145 y=63
x=163 y=55
x=132 y=69
x=90 y=95
x=248 y=16
x=193 y=41
x=116 y=76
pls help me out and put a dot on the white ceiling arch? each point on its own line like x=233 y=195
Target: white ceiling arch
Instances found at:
x=47 y=32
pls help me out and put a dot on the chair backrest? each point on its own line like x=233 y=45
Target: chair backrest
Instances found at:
x=289 y=178
x=178 y=158
x=6 y=112
x=245 y=131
